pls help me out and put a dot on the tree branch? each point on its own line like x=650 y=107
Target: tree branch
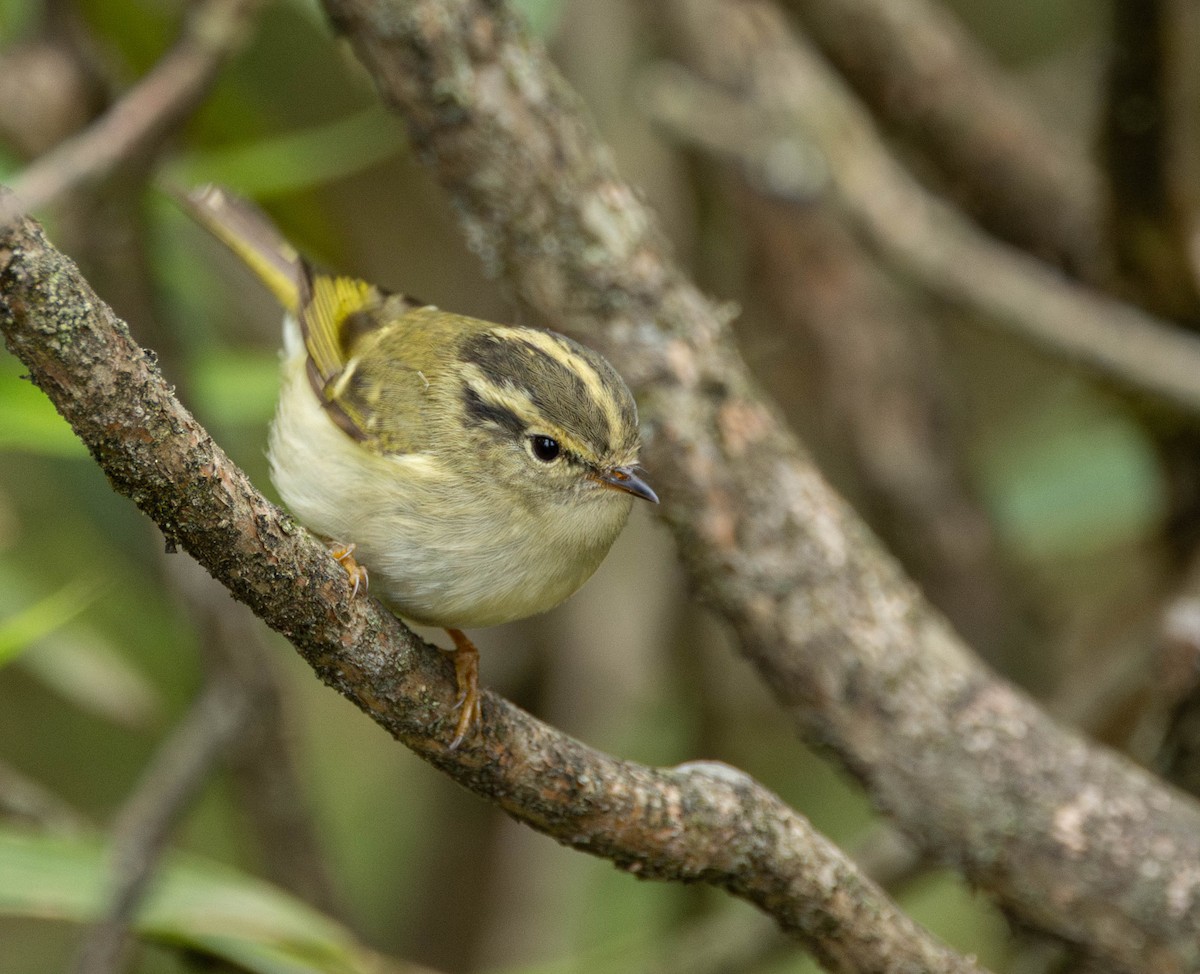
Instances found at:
x=699 y=822
x=847 y=644
x=145 y=116
x=180 y=767
x=927 y=79
x=875 y=395
x=771 y=77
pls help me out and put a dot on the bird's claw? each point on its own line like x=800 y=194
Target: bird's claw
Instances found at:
x=343 y=554
x=469 y=702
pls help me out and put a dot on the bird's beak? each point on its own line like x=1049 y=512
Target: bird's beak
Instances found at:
x=623 y=478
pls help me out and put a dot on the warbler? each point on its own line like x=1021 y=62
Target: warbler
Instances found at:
x=478 y=472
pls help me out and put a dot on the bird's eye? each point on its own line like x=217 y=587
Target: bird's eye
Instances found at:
x=545 y=448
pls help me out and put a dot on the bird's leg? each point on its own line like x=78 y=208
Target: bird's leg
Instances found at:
x=466 y=674
x=343 y=554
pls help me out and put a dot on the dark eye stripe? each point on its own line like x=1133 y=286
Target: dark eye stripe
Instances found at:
x=478 y=411
x=550 y=384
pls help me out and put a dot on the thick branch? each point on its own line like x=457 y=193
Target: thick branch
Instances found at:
x=877 y=399
x=700 y=822
x=1062 y=832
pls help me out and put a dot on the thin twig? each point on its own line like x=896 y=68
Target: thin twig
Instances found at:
x=143 y=826
x=138 y=123
x=699 y=822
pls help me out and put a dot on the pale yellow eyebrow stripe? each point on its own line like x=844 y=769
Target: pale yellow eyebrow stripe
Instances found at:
x=554 y=347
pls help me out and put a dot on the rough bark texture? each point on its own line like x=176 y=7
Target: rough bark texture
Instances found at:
x=1070 y=836
x=879 y=400
x=699 y=822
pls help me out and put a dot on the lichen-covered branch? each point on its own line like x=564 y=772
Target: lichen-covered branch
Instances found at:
x=700 y=822
x=1060 y=831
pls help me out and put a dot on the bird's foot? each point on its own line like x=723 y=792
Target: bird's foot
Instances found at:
x=343 y=554
x=469 y=703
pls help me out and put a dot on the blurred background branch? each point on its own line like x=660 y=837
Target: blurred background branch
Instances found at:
x=926 y=79
x=138 y=123
x=798 y=100
x=143 y=826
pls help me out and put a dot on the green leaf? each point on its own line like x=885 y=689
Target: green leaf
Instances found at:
x=40 y=619
x=237 y=387
x=28 y=420
x=193 y=903
x=298 y=160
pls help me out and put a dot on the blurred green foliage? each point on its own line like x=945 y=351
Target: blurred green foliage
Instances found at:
x=542 y=16
x=40 y=619
x=28 y=422
x=295 y=161
x=16 y=17
x=1072 y=476
x=1029 y=31
x=193 y=904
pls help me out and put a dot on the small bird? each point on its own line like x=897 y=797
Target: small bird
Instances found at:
x=479 y=472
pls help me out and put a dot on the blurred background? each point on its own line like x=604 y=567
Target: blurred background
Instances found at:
x=1053 y=517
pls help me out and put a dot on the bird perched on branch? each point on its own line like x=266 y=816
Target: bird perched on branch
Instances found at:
x=479 y=472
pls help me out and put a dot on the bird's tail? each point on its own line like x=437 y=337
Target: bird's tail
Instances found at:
x=254 y=239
